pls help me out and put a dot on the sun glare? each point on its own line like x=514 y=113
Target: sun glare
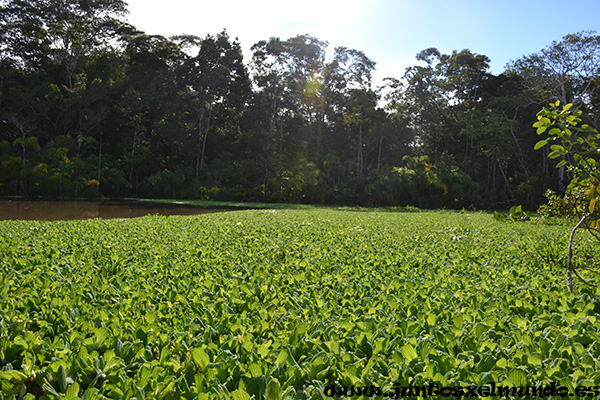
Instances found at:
x=260 y=20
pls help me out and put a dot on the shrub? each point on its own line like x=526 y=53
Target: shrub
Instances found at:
x=578 y=146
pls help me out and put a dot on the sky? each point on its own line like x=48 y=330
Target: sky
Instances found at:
x=389 y=32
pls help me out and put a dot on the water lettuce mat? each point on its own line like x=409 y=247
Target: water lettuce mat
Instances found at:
x=279 y=304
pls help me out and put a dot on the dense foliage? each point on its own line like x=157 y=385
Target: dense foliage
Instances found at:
x=91 y=106
x=286 y=302
x=578 y=147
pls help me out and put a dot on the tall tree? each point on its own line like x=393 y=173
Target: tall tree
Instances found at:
x=218 y=79
x=150 y=93
x=348 y=91
x=421 y=97
x=566 y=71
x=289 y=80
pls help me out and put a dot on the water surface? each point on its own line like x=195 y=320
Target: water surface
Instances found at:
x=67 y=210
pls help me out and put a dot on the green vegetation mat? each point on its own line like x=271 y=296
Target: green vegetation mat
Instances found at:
x=284 y=302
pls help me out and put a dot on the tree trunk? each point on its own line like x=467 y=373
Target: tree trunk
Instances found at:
x=520 y=154
x=266 y=179
x=205 y=136
x=99 y=157
x=570 y=253
x=273 y=119
x=506 y=182
x=359 y=161
x=379 y=152
x=201 y=113
x=1 y=85
x=494 y=171
x=136 y=130
x=561 y=176
x=319 y=134
x=545 y=165
x=512 y=132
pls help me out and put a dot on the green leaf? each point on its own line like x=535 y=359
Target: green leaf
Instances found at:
x=27 y=365
x=397 y=358
x=73 y=390
x=593 y=202
x=561 y=163
x=140 y=394
x=518 y=377
x=168 y=389
x=485 y=364
x=199 y=383
x=282 y=358
x=458 y=320
x=408 y=352
x=49 y=389
x=534 y=359
x=240 y=395
x=255 y=370
x=555 y=154
x=62 y=379
x=273 y=391
x=263 y=349
x=431 y=319
x=200 y=357
x=297 y=333
x=12 y=376
x=555 y=132
x=540 y=144
x=498 y=217
x=144 y=377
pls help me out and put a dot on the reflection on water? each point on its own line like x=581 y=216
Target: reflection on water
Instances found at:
x=65 y=210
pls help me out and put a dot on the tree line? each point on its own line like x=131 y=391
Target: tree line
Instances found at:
x=92 y=107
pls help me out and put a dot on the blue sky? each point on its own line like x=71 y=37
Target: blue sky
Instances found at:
x=390 y=32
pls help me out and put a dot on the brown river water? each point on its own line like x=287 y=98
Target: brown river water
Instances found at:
x=67 y=210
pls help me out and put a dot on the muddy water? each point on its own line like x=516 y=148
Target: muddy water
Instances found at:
x=66 y=210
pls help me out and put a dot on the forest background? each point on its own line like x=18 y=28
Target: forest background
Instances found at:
x=91 y=107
